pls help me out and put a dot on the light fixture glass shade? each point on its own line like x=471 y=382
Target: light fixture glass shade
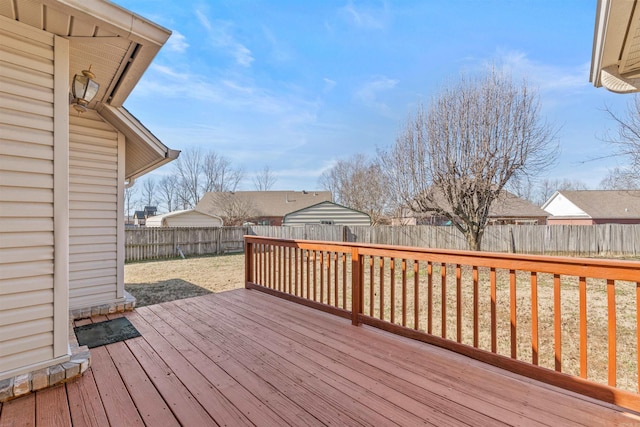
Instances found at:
x=84 y=89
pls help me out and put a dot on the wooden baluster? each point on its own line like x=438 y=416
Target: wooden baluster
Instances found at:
x=357 y=286
x=583 y=327
x=534 y=318
x=308 y=274
x=329 y=255
x=494 y=338
x=335 y=279
x=296 y=282
x=315 y=275
x=289 y=250
x=404 y=292
x=429 y=297
x=611 y=308
x=443 y=298
x=344 y=280
x=381 y=288
x=557 y=322
x=268 y=262
x=512 y=309
x=458 y=303
x=371 y=287
x=416 y=295
x=321 y=276
x=475 y=306
x=392 y=296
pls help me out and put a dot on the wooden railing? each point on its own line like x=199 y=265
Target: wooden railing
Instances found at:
x=570 y=322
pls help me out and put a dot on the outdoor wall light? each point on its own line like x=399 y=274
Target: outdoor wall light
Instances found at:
x=83 y=89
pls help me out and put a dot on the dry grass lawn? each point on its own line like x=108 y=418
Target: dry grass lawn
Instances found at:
x=153 y=282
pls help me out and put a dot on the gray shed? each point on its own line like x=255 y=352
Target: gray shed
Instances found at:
x=328 y=213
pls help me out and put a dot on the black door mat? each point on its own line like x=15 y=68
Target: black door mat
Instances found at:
x=107 y=332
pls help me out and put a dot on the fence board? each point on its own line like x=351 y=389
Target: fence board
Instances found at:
x=583 y=240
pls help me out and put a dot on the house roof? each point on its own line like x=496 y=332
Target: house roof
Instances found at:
x=508 y=205
x=616 y=46
x=119 y=45
x=263 y=203
x=600 y=204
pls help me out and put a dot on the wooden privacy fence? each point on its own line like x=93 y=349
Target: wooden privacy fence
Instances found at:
x=604 y=239
x=570 y=322
x=591 y=240
x=169 y=242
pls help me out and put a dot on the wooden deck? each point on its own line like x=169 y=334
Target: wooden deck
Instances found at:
x=246 y=358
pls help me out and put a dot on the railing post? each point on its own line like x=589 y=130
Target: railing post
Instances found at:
x=248 y=263
x=356 y=286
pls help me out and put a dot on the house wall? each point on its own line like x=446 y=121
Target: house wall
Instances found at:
x=561 y=206
x=617 y=221
x=33 y=198
x=93 y=207
x=569 y=221
x=338 y=215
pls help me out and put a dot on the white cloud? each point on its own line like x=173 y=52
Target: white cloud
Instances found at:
x=177 y=42
x=547 y=77
x=219 y=35
x=368 y=93
x=329 y=85
x=365 y=17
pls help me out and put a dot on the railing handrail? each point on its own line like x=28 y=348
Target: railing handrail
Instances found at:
x=620 y=269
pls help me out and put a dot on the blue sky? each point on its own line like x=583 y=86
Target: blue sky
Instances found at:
x=297 y=85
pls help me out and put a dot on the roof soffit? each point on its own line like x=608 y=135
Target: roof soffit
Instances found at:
x=118 y=44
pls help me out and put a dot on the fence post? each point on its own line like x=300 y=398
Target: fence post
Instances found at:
x=248 y=262
x=356 y=286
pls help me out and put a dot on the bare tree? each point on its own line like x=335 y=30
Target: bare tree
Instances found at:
x=148 y=192
x=620 y=179
x=198 y=172
x=233 y=209
x=264 y=180
x=359 y=183
x=168 y=190
x=627 y=139
x=455 y=157
x=188 y=169
x=219 y=175
x=547 y=187
x=129 y=194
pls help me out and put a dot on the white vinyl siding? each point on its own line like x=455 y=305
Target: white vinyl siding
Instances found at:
x=93 y=210
x=27 y=246
x=327 y=212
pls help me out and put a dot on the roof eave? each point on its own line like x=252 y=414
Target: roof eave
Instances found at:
x=614 y=20
x=136 y=133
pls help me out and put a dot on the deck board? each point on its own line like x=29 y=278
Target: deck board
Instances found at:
x=246 y=358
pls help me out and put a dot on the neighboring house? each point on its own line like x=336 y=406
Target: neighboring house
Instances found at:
x=258 y=207
x=185 y=218
x=63 y=173
x=139 y=218
x=327 y=213
x=506 y=209
x=589 y=207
